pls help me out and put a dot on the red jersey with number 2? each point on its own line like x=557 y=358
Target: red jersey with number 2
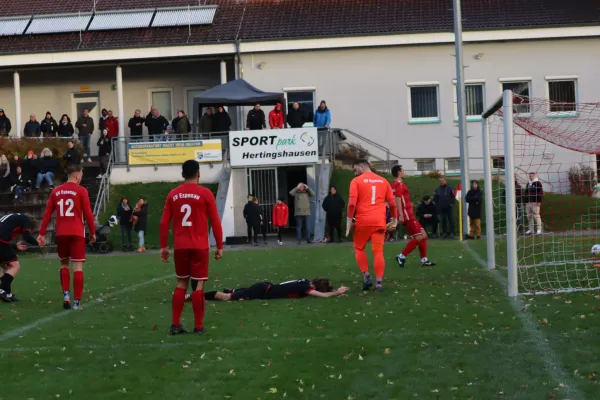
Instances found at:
x=189 y=207
x=371 y=192
x=72 y=204
x=401 y=190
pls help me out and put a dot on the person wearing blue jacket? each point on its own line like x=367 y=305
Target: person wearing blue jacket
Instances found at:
x=443 y=197
x=322 y=117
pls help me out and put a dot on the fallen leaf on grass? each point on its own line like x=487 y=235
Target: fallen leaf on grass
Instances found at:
x=380 y=375
x=272 y=390
x=387 y=351
x=360 y=358
x=154 y=328
x=434 y=391
x=232 y=372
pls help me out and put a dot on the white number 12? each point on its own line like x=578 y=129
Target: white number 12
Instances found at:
x=187 y=209
x=373 y=194
x=61 y=207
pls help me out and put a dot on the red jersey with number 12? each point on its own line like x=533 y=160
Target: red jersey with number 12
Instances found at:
x=72 y=204
x=401 y=190
x=190 y=206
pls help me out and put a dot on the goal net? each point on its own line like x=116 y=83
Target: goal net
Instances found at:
x=543 y=161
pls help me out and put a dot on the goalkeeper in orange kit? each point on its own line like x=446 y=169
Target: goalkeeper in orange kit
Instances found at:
x=369 y=194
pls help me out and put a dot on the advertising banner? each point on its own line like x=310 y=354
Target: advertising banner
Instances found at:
x=148 y=153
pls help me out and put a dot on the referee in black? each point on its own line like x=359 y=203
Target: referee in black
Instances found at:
x=12 y=226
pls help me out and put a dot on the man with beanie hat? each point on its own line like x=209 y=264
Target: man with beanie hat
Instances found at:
x=49 y=126
x=276 y=117
x=322 y=117
x=5 y=125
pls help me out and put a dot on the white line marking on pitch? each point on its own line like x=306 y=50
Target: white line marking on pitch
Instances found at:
x=538 y=338
x=42 y=321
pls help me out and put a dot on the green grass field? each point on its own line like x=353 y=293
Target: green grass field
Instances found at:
x=448 y=332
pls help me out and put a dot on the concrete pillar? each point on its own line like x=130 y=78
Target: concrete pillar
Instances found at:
x=18 y=128
x=121 y=107
x=223 y=72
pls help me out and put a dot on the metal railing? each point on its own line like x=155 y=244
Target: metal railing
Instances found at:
x=103 y=196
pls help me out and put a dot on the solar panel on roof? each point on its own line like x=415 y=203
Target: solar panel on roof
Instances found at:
x=13 y=26
x=121 y=20
x=182 y=16
x=59 y=23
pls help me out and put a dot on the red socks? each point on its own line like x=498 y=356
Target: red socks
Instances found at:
x=177 y=305
x=65 y=279
x=423 y=248
x=198 y=306
x=78 y=284
x=410 y=246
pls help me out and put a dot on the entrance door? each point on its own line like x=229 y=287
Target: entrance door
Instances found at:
x=263 y=184
x=91 y=101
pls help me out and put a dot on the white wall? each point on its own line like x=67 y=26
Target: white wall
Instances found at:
x=163 y=173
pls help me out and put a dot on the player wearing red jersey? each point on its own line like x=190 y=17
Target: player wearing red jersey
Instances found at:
x=369 y=193
x=72 y=204
x=406 y=216
x=190 y=206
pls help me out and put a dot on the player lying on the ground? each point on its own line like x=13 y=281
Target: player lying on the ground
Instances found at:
x=406 y=216
x=11 y=226
x=319 y=287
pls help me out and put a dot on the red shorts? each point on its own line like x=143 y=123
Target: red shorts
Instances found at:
x=71 y=246
x=191 y=263
x=413 y=227
x=362 y=235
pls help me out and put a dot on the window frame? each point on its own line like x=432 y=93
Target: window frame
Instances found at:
x=447 y=169
x=170 y=90
x=469 y=82
x=427 y=120
x=526 y=79
x=185 y=100
x=416 y=164
x=563 y=78
x=312 y=89
x=498 y=158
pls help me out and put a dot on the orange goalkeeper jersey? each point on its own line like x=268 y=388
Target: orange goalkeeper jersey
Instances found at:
x=370 y=192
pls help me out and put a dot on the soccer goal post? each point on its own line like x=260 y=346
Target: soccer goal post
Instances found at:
x=542 y=199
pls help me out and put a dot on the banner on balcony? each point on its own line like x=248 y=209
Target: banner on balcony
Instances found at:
x=273 y=147
x=149 y=153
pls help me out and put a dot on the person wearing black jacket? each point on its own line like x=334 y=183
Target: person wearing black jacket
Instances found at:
x=125 y=213
x=65 y=127
x=427 y=214
x=533 y=197
x=474 y=199
x=72 y=156
x=47 y=165
x=5 y=125
x=17 y=184
x=257 y=219
x=30 y=168
x=49 y=126
x=136 y=125
x=443 y=198
x=334 y=205
x=157 y=125
x=140 y=222
x=221 y=122
x=296 y=117
x=247 y=212
x=104 y=150
x=256 y=119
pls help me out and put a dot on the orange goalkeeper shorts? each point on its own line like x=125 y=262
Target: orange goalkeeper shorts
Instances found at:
x=362 y=235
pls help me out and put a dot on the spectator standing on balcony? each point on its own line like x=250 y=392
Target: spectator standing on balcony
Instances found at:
x=47 y=165
x=136 y=126
x=111 y=124
x=49 y=126
x=140 y=219
x=296 y=117
x=443 y=197
x=85 y=125
x=5 y=125
x=182 y=125
x=65 y=127
x=102 y=120
x=474 y=199
x=17 y=184
x=4 y=173
x=125 y=214
x=104 y=150
x=322 y=117
x=221 y=121
x=157 y=126
x=427 y=215
x=276 y=117
x=301 y=195
x=533 y=196
x=72 y=156
x=32 y=128
x=334 y=207
x=206 y=121
x=29 y=165
x=256 y=119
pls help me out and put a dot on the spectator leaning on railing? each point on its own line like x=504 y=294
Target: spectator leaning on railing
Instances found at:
x=32 y=128
x=65 y=127
x=85 y=125
x=136 y=125
x=322 y=118
x=256 y=119
x=5 y=125
x=111 y=124
x=296 y=117
x=221 y=120
x=206 y=121
x=276 y=117
x=157 y=125
x=49 y=126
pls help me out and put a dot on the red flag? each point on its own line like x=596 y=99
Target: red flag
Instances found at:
x=458 y=193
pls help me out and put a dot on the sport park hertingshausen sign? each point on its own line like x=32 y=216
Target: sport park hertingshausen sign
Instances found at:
x=273 y=147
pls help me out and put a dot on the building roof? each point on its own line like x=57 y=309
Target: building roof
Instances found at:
x=287 y=19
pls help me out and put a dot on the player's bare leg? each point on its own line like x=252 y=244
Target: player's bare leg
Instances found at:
x=9 y=272
x=198 y=304
x=420 y=241
x=77 y=283
x=65 y=282
x=177 y=306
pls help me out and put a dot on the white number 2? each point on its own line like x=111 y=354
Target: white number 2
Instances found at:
x=61 y=207
x=373 y=194
x=187 y=209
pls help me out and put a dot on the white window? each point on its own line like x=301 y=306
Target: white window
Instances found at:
x=305 y=97
x=474 y=99
x=425 y=164
x=162 y=99
x=452 y=165
x=562 y=93
x=423 y=102
x=523 y=87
